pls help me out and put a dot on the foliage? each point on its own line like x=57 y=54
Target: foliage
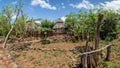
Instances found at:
x=71 y=20
x=45 y=42
x=4 y=25
x=56 y=54
x=104 y=64
x=109 y=27
x=46 y=26
x=70 y=64
x=20 y=26
x=6 y=19
x=81 y=21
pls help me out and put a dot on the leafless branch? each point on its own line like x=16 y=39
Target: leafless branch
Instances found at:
x=98 y=50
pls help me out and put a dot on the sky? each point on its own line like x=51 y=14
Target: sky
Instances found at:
x=54 y=9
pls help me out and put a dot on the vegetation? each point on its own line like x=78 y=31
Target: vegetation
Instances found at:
x=45 y=42
x=83 y=26
x=46 y=26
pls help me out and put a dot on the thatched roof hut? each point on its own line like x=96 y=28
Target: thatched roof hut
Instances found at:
x=59 y=27
x=33 y=28
x=59 y=24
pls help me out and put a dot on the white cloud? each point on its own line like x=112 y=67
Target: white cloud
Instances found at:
x=43 y=4
x=113 y=5
x=63 y=18
x=84 y=4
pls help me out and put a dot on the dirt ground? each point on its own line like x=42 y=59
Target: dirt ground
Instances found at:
x=54 y=55
x=5 y=62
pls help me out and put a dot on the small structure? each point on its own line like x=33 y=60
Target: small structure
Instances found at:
x=59 y=27
x=33 y=29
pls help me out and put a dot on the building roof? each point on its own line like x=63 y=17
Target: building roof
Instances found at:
x=59 y=21
x=59 y=24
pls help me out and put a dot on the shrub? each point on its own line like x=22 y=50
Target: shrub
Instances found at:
x=109 y=38
x=108 y=28
x=56 y=54
x=70 y=64
x=104 y=64
x=45 y=42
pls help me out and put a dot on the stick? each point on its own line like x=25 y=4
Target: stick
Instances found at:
x=85 y=53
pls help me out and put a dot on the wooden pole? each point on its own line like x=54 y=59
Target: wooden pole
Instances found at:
x=108 y=53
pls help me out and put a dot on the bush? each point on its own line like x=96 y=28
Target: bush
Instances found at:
x=70 y=64
x=108 y=29
x=109 y=38
x=56 y=54
x=45 y=42
x=104 y=64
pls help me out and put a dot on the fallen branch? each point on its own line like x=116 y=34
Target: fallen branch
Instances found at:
x=98 y=50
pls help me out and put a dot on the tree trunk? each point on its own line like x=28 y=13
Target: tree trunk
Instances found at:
x=97 y=36
x=6 y=38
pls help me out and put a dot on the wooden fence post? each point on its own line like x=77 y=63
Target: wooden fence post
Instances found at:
x=108 y=53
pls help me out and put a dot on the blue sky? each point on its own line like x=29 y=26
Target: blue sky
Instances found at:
x=54 y=9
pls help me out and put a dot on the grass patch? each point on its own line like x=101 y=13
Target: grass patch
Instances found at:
x=56 y=54
x=70 y=64
x=45 y=42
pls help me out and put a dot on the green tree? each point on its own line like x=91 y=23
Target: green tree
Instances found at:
x=46 y=27
x=4 y=25
x=109 y=26
x=71 y=20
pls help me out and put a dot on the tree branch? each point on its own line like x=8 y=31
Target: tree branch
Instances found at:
x=98 y=50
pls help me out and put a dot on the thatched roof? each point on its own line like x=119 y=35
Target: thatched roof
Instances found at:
x=32 y=26
x=59 y=21
x=59 y=24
